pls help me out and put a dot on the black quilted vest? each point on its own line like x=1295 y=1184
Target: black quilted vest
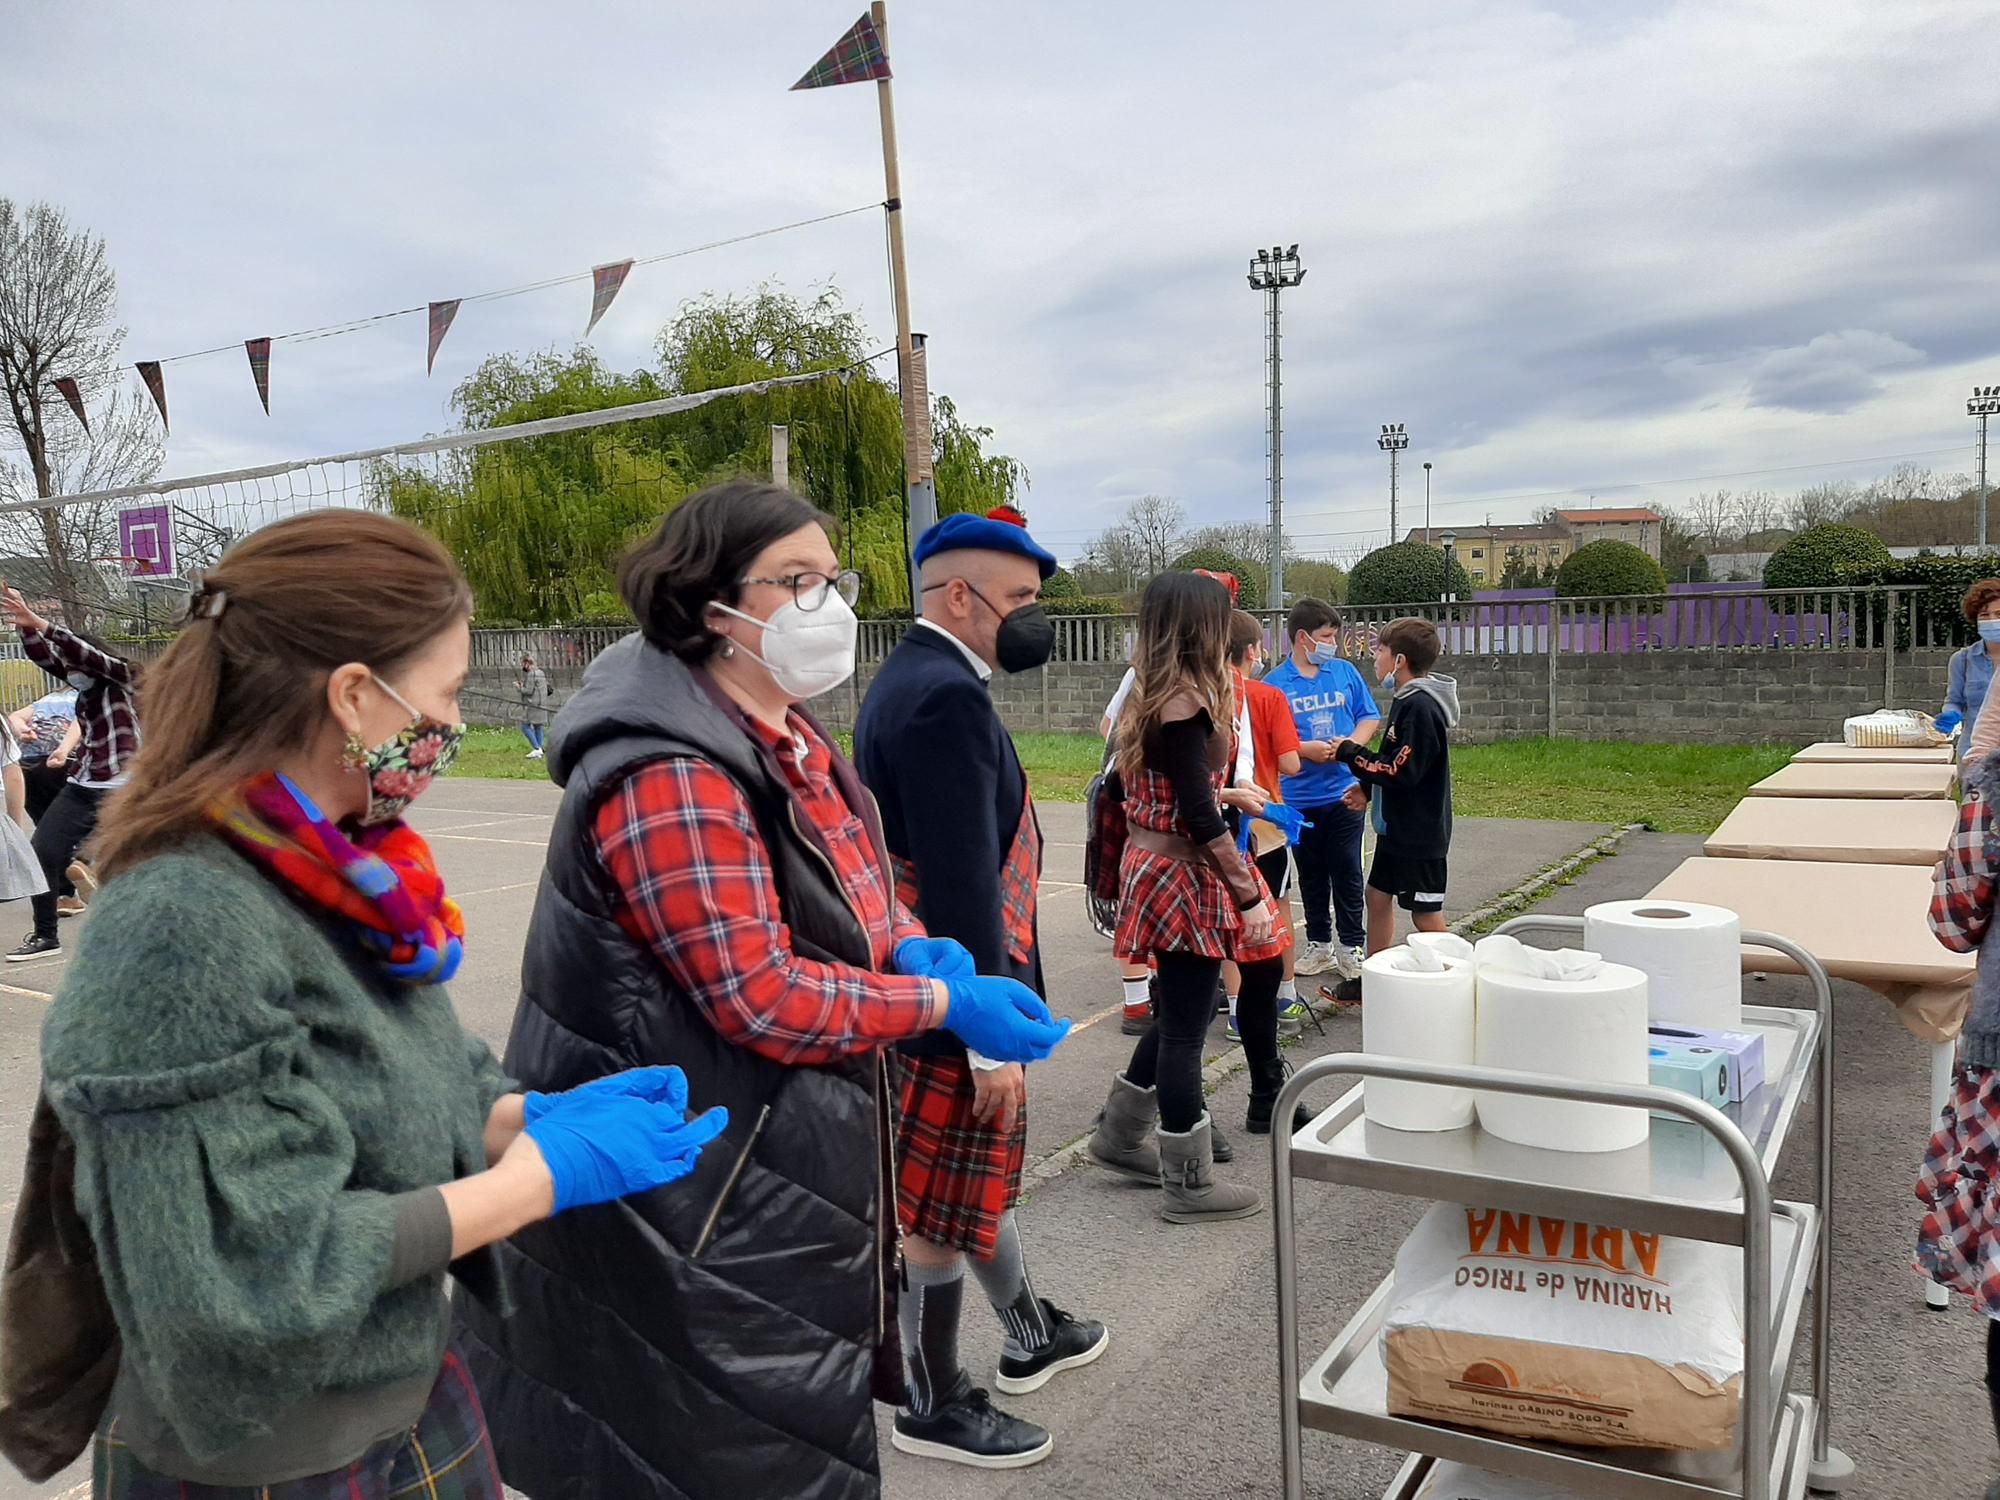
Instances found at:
x=617 y=1362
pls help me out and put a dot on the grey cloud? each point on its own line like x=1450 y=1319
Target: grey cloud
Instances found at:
x=1835 y=372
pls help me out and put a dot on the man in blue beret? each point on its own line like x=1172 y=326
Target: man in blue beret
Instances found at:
x=968 y=853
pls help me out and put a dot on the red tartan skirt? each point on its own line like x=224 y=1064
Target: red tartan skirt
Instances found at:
x=1168 y=905
x=954 y=1176
x=1959 y=1244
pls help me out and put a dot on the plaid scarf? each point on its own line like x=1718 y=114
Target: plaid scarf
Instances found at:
x=385 y=888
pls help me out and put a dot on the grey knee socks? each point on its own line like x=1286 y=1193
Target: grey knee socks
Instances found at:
x=928 y=1311
x=1004 y=1279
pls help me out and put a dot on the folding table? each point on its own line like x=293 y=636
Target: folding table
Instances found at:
x=1872 y=780
x=1836 y=830
x=1834 y=753
x=1863 y=922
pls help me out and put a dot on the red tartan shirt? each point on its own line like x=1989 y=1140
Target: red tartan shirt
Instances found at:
x=694 y=884
x=1962 y=887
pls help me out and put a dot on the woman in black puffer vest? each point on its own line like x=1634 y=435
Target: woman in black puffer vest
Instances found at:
x=717 y=893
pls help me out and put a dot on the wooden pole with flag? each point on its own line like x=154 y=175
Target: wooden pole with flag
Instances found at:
x=859 y=56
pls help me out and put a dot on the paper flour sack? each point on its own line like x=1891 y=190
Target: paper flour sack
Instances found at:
x=1565 y=1331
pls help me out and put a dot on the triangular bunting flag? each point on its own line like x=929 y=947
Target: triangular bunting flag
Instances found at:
x=73 y=394
x=858 y=57
x=604 y=284
x=441 y=315
x=259 y=351
x=156 y=383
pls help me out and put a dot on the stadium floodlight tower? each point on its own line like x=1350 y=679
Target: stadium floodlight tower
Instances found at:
x=1271 y=272
x=1985 y=403
x=1392 y=442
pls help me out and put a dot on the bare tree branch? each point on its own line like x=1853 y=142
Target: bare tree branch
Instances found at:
x=58 y=311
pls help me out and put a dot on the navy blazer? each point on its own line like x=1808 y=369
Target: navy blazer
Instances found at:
x=931 y=747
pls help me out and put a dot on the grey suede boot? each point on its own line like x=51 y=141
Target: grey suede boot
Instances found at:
x=1119 y=1143
x=1187 y=1172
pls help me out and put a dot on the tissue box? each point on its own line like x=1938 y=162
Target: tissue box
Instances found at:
x=1700 y=1071
x=1744 y=1049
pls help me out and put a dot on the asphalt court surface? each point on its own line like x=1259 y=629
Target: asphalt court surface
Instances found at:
x=490 y=838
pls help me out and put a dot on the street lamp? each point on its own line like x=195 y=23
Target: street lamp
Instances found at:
x=1427 y=501
x=1985 y=403
x=1450 y=540
x=1271 y=271
x=1392 y=441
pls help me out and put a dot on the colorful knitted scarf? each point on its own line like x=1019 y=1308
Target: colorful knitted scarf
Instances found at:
x=386 y=886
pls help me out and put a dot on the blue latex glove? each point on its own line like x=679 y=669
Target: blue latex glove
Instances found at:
x=1287 y=820
x=1949 y=720
x=604 y=1146
x=934 y=958
x=662 y=1085
x=1002 y=1019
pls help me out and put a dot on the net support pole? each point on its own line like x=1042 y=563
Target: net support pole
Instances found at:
x=781 y=455
x=922 y=498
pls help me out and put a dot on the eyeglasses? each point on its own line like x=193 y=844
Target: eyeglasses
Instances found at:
x=809 y=590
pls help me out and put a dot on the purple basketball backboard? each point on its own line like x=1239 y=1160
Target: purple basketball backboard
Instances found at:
x=146 y=541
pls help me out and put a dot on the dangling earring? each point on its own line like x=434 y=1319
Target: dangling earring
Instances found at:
x=353 y=754
x=728 y=649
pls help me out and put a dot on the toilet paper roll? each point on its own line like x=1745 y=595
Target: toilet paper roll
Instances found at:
x=1592 y=1028
x=1691 y=955
x=1407 y=1012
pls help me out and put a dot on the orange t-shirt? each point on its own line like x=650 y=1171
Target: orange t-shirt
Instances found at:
x=1273 y=732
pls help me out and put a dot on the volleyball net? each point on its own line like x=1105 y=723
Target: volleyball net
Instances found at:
x=536 y=512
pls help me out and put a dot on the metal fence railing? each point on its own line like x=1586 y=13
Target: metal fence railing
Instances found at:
x=1753 y=619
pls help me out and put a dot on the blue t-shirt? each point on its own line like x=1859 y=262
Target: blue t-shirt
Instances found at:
x=1325 y=706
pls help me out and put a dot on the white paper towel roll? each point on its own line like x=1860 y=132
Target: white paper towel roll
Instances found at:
x=1423 y=1015
x=1592 y=1028
x=1691 y=955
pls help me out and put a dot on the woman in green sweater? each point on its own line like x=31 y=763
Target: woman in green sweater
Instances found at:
x=283 y=1136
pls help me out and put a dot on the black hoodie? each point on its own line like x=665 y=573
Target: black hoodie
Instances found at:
x=1413 y=768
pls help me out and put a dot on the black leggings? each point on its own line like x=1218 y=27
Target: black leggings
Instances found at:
x=1993 y=1369
x=68 y=825
x=1169 y=1054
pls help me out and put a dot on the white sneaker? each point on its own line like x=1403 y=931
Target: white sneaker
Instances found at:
x=535 y=755
x=1314 y=958
x=1348 y=962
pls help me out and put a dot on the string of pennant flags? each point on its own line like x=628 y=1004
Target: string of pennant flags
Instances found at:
x=858 y=57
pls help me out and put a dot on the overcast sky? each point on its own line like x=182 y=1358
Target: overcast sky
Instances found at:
x=1570 y=246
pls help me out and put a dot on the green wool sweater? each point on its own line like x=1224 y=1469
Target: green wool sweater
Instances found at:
x=256 y=1111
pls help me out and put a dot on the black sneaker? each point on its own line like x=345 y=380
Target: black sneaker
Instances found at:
x=35 y=947
x=971 y=1430
x=1347 y=992
x=1072 y=1342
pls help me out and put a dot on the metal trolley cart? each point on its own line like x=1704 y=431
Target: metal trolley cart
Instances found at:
x=1705 y=1179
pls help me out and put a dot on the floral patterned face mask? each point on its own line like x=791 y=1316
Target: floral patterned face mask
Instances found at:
x=402 y=769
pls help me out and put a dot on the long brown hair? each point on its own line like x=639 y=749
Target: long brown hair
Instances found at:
x=1183 y=647
x=244 y=685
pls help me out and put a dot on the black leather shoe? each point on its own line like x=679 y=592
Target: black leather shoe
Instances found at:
x=971 y=1430
x=1072 y=1342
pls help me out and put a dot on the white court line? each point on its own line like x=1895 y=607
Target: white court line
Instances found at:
x=498 y=822
x=494 y=890
x=15 y=989
x=473 y=838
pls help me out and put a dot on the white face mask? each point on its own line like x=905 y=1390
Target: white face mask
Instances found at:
x=807 y=652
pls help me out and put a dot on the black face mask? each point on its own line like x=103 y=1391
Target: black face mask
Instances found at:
x=1027 y=636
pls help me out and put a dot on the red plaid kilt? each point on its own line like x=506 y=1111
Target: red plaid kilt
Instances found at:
x=954 y=1176
x=446 y=1456
x=1169 y=905
x=1959 y=1244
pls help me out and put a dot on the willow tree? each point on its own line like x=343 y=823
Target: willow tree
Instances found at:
x=538 y=525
